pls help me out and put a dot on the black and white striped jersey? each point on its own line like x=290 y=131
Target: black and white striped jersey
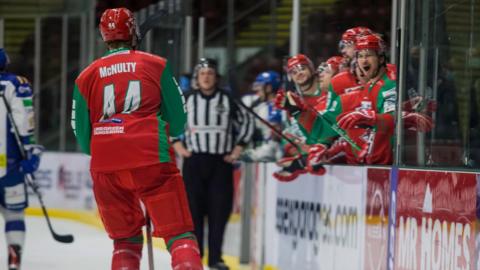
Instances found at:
x=215 y=123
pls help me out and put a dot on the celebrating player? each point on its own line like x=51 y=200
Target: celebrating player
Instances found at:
x=300 y=107
x=367 y=115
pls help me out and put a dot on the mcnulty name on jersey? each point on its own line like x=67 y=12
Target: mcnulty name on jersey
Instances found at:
x=117 y=68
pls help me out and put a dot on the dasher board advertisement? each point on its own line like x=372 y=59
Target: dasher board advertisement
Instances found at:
x=377 y=218
x=65 y=182
x=320 y=220
x=435 y=220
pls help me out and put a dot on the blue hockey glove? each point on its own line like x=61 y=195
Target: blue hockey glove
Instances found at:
x=32 y=161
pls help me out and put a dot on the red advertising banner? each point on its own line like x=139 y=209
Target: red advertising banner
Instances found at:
x=435 y=220
x=376 y=218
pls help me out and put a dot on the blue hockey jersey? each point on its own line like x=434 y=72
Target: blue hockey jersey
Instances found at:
x=17 y=92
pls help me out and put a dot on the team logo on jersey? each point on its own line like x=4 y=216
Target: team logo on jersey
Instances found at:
x=355 y=88
x=366 y=105
x=112 y=120
x=220 y=108
x=24 y=91
x=111 y=25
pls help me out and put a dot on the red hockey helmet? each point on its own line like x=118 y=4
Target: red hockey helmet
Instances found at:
x=299 y=60
x=117 y=24
x=351 y=34
x=333 y=63
x=370 y=42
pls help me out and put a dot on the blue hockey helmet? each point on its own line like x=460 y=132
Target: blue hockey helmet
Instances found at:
x=268 y=78
x=3 y=59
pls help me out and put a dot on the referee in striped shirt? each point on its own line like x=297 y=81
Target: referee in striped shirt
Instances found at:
x=217 y=131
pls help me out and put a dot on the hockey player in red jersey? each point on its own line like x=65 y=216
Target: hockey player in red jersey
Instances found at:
x=350 y=77
x=367 y=115
x=325 y=72
x=126 y=107
x=300 y=107
x=346 y=45
x=300 y=69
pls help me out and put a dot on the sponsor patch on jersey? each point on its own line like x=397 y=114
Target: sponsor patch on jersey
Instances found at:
x=389 y=92
x=109 y=130
x=112 y=120
x=351 y=89
x=389 y=106
x=366 y=105
x=15 y=194
x=24 y=90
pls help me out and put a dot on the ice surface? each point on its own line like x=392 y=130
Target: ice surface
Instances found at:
x=91 y=249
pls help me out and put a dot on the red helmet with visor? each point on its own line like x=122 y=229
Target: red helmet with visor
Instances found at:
x=370 y=42
x=349 y=36
x=333 y=63
x=299 y=60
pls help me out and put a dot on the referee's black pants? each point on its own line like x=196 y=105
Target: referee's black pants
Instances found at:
x=209 y=183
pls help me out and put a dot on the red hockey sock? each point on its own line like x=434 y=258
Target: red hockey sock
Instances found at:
x=127 y=253
x=185 y=252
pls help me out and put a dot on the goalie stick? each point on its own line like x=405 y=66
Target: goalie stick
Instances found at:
x=67 y=238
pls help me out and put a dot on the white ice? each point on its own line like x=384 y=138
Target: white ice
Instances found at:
x=91 y=249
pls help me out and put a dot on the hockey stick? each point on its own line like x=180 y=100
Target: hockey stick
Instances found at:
x=149 y=23
x=286 y=80
x=265 y=122
x=149 y=241
x=30 y=178
x=333 y=126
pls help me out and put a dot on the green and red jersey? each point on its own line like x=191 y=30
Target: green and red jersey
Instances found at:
x=319 y=130
x=307 y=120
x=342 y=83
x=379 y=96
x=126 y=106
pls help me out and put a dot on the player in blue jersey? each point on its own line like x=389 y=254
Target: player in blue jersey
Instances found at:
x=16 y=94
x=266 y=143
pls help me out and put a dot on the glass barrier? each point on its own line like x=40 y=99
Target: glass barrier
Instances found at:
x=442 y=78
x=62 y=43
x=443 y=71
x=325 y=21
